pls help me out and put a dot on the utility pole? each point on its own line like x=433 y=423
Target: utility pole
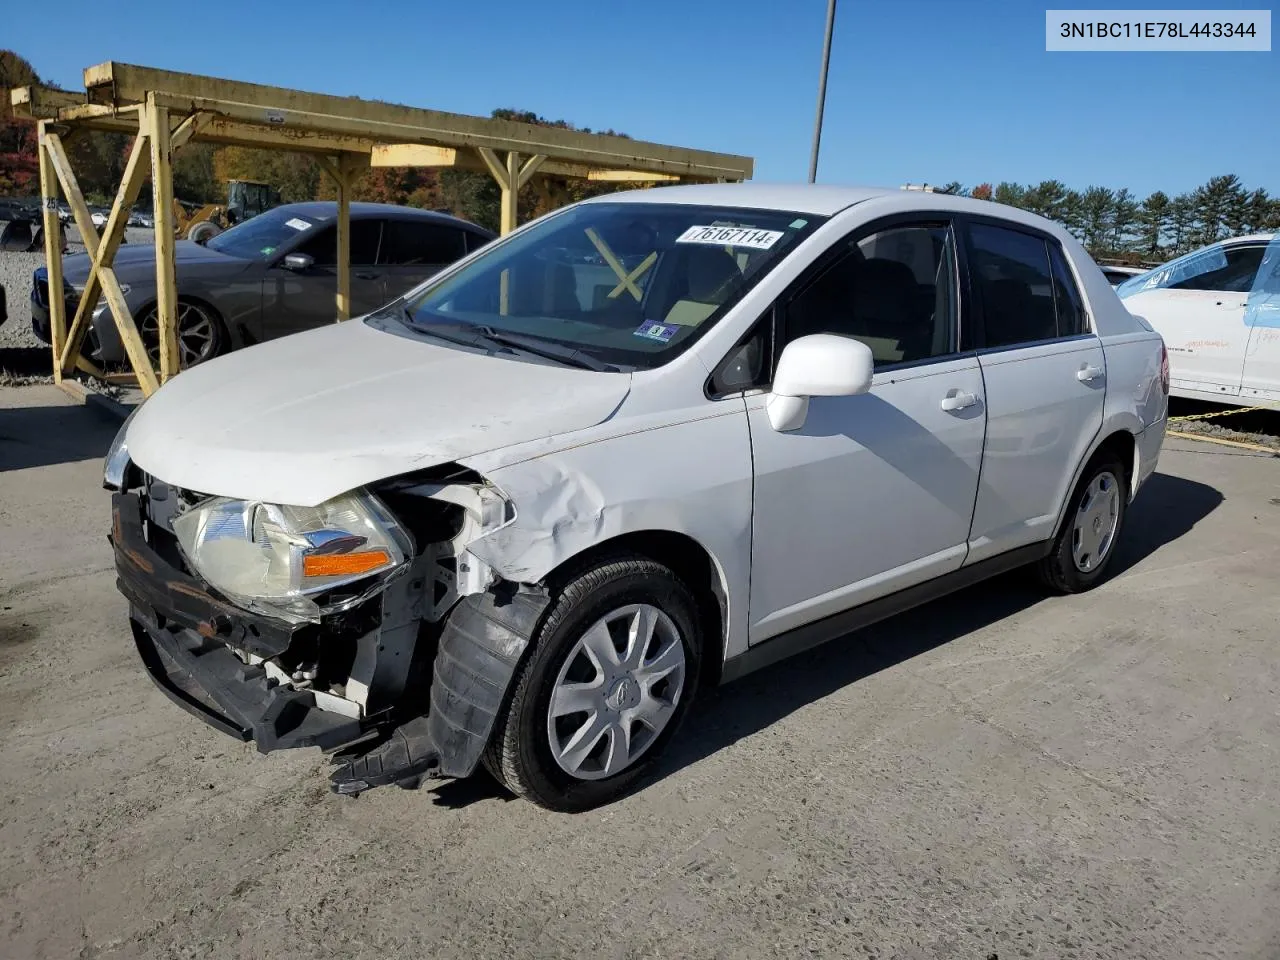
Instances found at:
x=822 y=91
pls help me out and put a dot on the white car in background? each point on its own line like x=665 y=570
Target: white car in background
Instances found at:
x=1218 y=309
x=522 y=514
x=1117 y=275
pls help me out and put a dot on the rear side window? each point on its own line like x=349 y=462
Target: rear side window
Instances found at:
x=1066 y=296
x=419 y=242
x=1025 y=297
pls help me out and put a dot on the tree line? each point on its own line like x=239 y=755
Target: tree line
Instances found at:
x=1114 y=224
x=1111 y=223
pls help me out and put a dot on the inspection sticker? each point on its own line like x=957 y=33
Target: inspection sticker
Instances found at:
x=297 y=224
x=653 y=330
x=731 y=237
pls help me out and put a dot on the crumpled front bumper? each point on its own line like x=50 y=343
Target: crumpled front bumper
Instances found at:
x=182 y=630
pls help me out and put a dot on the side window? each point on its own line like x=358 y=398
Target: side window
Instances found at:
x=1011 y=271
x=1228 y=270
x=323 y=247
x=475 y=241
x=894 y=290
x=419 y=242
x=1066 y=296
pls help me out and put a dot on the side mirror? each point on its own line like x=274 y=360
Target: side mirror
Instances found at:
x=820 y=365
x=298 y=262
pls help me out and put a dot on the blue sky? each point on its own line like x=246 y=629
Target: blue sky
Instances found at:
x=920 y=90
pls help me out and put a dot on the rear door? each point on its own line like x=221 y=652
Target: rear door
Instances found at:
x=415 y=249
x=1045 y=379
x=1200 y=315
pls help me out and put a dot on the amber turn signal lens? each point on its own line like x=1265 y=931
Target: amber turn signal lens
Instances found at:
x=344 y=564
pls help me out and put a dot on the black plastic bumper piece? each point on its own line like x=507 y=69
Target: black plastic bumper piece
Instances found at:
x=206 y=679
x=481 y=645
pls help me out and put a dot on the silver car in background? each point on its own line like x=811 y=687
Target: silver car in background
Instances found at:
x=266 y=277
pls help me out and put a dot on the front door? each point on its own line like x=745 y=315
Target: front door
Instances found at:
x=1045 y=376
x=873 y=493
x=1200 y=313
x=294 y=300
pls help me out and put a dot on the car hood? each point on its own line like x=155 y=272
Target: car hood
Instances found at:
x=302 y=419
x=141 y=258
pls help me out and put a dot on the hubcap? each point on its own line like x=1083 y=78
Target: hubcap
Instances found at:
x=1095 y=525
x=195 y=335
x=617 y=691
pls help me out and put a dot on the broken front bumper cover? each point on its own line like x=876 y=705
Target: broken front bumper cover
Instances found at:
x=182 y=630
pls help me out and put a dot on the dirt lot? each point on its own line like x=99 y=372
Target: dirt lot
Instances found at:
x=996 y=775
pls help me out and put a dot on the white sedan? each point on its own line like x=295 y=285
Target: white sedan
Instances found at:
x=1218 y=309
x=523 y=515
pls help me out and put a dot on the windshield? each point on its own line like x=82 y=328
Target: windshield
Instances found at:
x=262 y=235
x=625 y=284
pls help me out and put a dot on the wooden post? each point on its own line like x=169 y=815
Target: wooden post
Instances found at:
x=511 y=194
x=52 y=252
x=162 y=203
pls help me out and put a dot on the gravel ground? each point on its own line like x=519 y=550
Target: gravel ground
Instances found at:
x=998 y=774
x=15 y=277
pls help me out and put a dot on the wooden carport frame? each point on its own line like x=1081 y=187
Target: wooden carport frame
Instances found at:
x=166 y=110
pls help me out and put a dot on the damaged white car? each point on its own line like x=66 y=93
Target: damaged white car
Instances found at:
x=652 y=441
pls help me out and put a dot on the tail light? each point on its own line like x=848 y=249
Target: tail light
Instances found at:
x=1164 y=369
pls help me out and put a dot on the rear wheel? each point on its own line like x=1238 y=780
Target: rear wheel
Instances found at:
x=608 y=680
x=1085 y=544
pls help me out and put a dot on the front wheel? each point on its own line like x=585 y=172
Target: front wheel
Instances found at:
x=1086 y=542
x=607 y=681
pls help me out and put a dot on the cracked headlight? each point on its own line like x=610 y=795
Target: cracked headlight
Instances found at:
x=278 y=557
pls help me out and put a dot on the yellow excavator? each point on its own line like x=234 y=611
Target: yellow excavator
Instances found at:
x=245 y=199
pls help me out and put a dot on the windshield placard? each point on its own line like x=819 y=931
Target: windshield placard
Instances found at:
x=731 y=237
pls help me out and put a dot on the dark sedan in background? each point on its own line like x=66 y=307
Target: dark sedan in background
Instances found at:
x=266 y=277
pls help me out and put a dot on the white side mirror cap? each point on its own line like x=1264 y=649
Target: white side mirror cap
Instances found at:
x=819 y=365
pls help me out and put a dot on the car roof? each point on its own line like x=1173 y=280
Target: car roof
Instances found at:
x=362 y=211
x=820 y=199
x=829 y=199
x=1255 y=237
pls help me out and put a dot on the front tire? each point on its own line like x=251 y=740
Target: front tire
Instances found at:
x=1086 y=542
x=607 y=681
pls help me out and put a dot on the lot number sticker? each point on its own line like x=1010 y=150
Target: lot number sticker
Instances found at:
x=297 y=224
x=731 y=237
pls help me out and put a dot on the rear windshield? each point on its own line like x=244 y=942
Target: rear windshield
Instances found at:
x=630 y=284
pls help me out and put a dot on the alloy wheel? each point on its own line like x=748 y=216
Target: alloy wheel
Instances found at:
x=616 y=692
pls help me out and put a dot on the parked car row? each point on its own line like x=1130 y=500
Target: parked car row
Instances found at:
x=266 y=277
x=522 y=515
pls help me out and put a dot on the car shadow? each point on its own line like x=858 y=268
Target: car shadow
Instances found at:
x=1167 y=508
x=42 y=436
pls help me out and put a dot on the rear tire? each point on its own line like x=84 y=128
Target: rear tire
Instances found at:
x=545 y=748
x=1086 y=542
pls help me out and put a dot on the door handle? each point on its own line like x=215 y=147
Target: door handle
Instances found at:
x=365 y=276
x=1088 y=373
x=958 y=400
